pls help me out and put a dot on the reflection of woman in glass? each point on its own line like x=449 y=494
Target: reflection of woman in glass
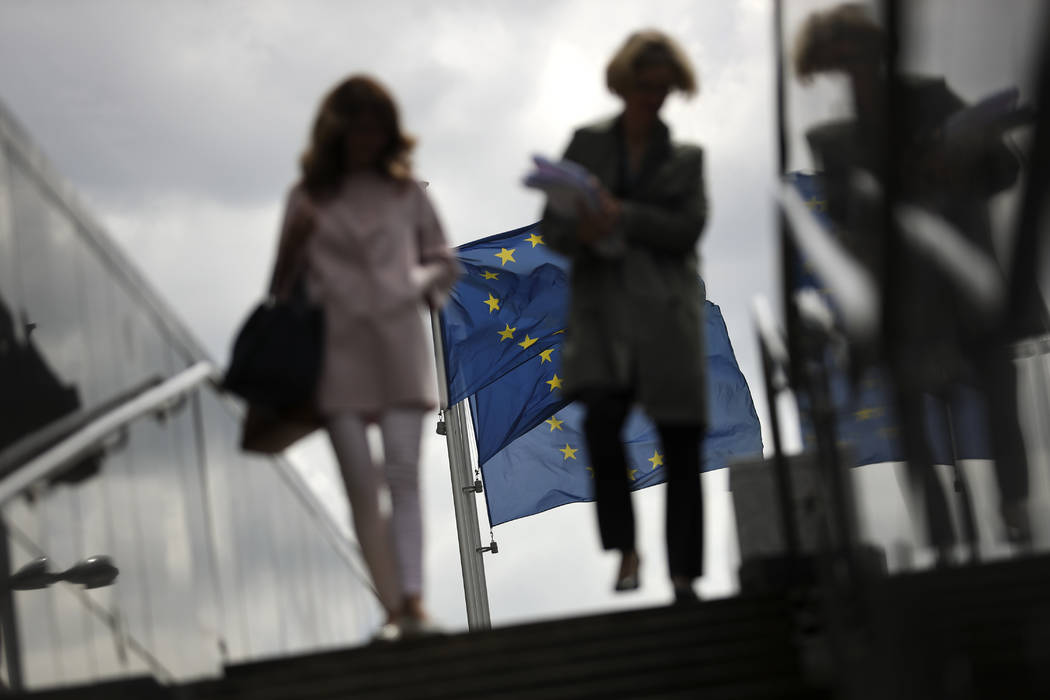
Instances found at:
x=636 y=311
x=374 y=253
x=935 y=342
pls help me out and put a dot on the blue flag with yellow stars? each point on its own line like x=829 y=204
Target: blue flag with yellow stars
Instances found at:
x=508 y=307
x=866 y=421
x=502 y=332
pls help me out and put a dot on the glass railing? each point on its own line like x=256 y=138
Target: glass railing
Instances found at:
x=223 y=557
x=921 y=184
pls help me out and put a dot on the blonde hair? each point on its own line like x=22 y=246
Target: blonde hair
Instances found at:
x=850 y=23
x=646 y=48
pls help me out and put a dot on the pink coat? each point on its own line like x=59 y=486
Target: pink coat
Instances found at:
x=376 y=256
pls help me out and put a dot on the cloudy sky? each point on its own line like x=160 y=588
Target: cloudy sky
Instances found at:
x=180 y=124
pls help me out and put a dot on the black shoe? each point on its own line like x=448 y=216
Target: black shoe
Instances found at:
x=684 y=596
x=628 y=579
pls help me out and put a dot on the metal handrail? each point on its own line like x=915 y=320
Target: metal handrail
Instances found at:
x=12 y=457
x=771 y=339
x=66 y=453
x=155 y=395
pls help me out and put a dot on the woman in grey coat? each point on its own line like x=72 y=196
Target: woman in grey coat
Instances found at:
x=636 y=310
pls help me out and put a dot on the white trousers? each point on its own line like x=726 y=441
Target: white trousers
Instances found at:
x=392 y=542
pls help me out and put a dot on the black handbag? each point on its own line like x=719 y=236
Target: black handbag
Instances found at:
x=276 y=357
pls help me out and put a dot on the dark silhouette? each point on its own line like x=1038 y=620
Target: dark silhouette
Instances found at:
x=636 y=310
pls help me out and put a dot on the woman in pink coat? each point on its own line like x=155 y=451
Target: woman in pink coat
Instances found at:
x=372 y=250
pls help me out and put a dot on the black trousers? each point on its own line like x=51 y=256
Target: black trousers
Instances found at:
x=605 y=415
x=997 y=382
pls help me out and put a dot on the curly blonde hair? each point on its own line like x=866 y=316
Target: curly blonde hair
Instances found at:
x=646 y=48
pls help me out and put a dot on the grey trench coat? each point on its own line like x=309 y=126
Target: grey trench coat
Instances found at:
x=636 y=314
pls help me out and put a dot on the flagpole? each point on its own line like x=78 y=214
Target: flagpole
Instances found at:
x=454 y=422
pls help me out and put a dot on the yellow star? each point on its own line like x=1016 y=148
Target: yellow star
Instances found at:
x=657 y=459
x=527 y=342
x=569 y=452
x=555 y=382
x=554 y=423
x=493 y=303
x=490 y=275
x=506 y=255
x=633 y=473
x=816 y=204
x=506 y=333
x=868 y=413
x=559 y=332
x=591 y=470
x=535 y=240
x=545 y=355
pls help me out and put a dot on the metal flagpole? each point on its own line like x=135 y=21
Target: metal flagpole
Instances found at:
x=453 y=424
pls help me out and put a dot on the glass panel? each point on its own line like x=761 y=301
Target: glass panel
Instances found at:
x=46 y=249
x=96 y=539
x=41 y=360
x=37 y=636
x=189 y=472
x=255 y=547
x=215 y=548
x=960 y=132
x=810 y=101
x=98 y=304
x=303 y=617
x=223 y=496
x=58 y=534
x=7 y=243
x=968 y=66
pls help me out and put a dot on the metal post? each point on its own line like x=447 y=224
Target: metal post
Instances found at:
x=774 y=366
x=8 y=617
x=475 y=590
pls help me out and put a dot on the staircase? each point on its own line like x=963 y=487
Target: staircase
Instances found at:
x=964 y=632
x=735 y=648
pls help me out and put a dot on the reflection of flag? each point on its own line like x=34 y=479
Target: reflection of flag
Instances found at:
x=866 y=422
x=502 y=333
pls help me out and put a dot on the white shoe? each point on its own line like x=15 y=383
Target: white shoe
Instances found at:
x=414 y=628
x=387 y=634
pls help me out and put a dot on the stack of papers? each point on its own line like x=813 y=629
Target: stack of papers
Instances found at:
x=568 y=186
x=992 y=114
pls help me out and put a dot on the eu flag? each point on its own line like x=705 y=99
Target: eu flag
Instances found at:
x=507 y=308
x=866 y=421
x=502 y=333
